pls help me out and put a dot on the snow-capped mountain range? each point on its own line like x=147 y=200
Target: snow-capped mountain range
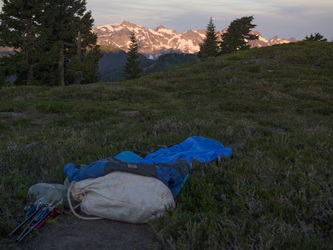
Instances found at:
x=155 y=42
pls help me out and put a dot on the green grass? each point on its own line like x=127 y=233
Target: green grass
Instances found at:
x=272 y=106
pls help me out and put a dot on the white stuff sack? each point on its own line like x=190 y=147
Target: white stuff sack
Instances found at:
x=123 y=196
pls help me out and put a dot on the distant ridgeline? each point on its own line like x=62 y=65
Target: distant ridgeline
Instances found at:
x=112 y=63
x=162 y=40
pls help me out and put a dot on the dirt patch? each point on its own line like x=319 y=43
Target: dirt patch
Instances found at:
x=69 y=232
x=35 y=117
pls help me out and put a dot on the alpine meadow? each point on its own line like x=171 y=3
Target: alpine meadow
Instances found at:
x=272 y=106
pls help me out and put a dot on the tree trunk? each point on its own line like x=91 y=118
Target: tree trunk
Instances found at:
x=29 y=48
x=61 y=65
x=30 y=76
x=77 y=79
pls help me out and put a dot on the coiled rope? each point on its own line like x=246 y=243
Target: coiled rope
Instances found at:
x=73 y=209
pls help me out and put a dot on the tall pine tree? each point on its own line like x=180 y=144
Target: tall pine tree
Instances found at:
x=132 y=68
x=238 y=35
x=209 y=48
x=70 y=42
x=44 y=35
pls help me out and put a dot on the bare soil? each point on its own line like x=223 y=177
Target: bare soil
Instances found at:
x=69 y=232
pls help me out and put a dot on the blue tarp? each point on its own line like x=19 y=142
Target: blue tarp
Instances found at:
x=194 y=148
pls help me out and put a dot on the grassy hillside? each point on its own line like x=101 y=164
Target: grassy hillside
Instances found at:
x=272 y=106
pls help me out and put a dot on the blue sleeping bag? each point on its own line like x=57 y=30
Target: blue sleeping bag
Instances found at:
x=194 y=148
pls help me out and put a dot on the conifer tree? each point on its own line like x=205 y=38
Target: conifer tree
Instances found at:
x=316 y=37
x=238 y=35
x=70 y=42
x=44 y=35
x=132 y=68
x=209 y=48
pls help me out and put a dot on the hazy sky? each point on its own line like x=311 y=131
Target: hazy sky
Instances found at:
x=285 y=18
